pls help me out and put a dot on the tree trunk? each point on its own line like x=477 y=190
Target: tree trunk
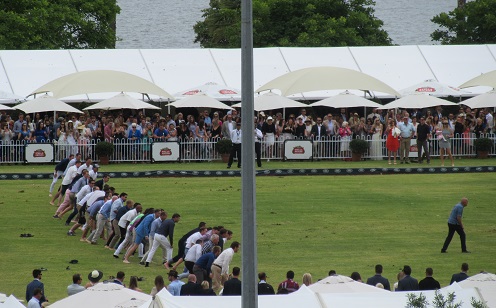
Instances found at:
x=461 y=3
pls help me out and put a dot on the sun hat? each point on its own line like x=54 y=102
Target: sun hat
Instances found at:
x=95 y=276
x=134 y=125
x=270 y=118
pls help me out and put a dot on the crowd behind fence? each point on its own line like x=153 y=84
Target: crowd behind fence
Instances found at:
x=12 y=152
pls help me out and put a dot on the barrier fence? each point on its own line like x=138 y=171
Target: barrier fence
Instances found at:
x=15 y=152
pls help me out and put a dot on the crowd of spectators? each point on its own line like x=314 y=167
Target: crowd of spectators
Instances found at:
x=74 y=133
x=233 y=285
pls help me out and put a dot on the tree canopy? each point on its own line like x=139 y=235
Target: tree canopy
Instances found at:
x=472 y=23
x=290 y=23
x=54 y=24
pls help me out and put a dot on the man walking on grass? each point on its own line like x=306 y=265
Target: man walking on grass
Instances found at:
x=455 y=224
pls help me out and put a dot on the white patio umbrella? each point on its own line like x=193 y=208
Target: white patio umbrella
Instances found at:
x=101 y=295
x=417 y=101
x=486 y=100
x=487 y=79
x=4 y=107
x=100 y=81
x=271 y=101
x=121 y=101
x=326 y=78
x=214 y=90
x=343 y=284
x=199 y=100
x=6 y=97
x=433 y=87
x=346 y=100
x=45 y=103
x=485 y=283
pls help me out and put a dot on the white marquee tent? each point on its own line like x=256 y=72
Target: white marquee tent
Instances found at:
x=23 y=71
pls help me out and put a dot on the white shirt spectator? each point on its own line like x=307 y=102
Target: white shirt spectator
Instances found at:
x=70 y=175
x=194 y=253
x=192 y=239
x=224 y=259
x=85 y=190
x=128 y=217
x=84 y=166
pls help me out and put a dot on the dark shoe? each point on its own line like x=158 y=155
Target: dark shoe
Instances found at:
x=420 y=161
x=466 y=251
x=402 y=162
x=117 y=257
x=56 y=216
x=71 y=233
x=239 y=166
x=66 y=223
x=147 y=264
x=142 y=263
x=259 y=166
x=443 y=251
x=228 y=167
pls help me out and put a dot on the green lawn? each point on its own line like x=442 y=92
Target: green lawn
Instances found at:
x=305 y=223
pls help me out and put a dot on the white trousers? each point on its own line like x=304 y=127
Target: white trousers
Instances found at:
x=160 y=241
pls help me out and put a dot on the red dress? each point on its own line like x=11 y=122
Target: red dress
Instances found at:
x=392 y=143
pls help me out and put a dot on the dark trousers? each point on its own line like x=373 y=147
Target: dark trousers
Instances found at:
x=236 y=150
x=452 y=229
x=258 y=152
x=123 y=235
x=180 y=253
x=423 y=144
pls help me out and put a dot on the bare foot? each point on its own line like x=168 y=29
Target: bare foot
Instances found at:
x=166 y=265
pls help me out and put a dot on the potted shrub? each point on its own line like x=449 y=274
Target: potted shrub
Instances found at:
x=358 y=147
x=483 y=146
x=223 y=147
x=104 y=150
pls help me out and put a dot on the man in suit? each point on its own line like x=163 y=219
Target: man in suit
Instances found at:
x=429 y=283
x=377 y=278
x=263 y=287
x=36 y=284
x=191 y=288
x=233 y=285
x=462 y=275
x=408 y=283
x=228 y=126
x=236 y=145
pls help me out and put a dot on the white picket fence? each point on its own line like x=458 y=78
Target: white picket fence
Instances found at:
x=199 y=150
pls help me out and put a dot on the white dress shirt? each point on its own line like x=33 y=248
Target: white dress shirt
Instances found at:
x=224 y=259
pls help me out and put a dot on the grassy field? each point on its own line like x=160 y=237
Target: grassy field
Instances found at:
x=305 y=223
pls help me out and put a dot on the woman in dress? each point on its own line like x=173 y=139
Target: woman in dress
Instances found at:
x=216 y=128
x=444 y=136
x=345 y=134
x=202 y=137
x=62 y=140
x=288 y=129
x=71 y=136
x=41 y=133
x=147 y=139
x=269 y=133
x=376 y=148
x=392 y=141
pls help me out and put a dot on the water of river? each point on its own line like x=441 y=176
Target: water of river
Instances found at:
x=169 y=23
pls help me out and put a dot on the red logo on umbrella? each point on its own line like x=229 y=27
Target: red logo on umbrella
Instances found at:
x=226 y=91
x=425 y=89
x=192 y=92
